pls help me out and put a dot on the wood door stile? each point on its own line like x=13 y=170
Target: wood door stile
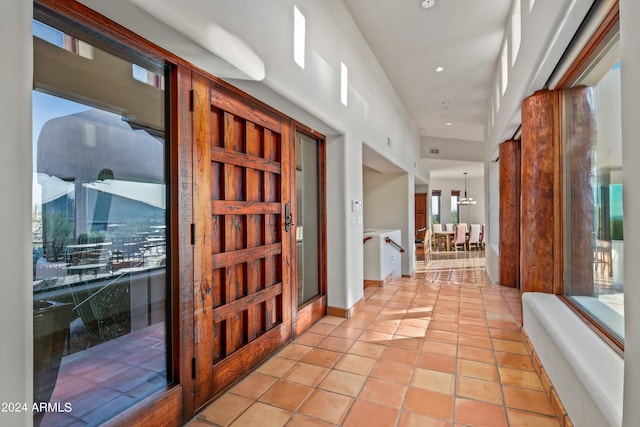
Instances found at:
x=244 y=294
x=202 y=281
x=182 y=217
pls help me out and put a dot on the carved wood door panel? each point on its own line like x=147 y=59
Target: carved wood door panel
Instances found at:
x=243 y=244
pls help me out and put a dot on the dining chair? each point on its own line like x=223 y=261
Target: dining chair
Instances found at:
x=460 y=237
x=448 y=226
x=474 y=236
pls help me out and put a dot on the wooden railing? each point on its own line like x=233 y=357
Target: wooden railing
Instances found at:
x=394 y=244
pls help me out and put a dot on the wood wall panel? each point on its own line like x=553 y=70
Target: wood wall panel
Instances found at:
x=510 y=213
x=540 y=209
x=203 y=283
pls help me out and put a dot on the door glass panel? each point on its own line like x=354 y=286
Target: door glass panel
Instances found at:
x=98 y=231
x=308 y=217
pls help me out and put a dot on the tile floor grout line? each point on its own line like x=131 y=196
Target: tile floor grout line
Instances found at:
x=401 y=298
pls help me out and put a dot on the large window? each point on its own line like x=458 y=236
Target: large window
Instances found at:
x=455 y=210
x=435 y=206
x=598 y=287
x=99 y=227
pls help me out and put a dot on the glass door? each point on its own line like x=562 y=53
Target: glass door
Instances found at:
x=308 y=215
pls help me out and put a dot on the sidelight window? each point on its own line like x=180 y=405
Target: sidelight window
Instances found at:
x=99 y=228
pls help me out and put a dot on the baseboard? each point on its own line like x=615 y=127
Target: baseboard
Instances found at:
x=380 y=283
x=549 y=389
x=346 y=313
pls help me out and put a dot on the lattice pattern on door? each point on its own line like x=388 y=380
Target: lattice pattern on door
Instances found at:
x=246 y=197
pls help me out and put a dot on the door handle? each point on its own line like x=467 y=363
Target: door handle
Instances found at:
x=288 y=218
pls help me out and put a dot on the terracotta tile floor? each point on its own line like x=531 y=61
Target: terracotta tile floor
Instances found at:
x=440 y=349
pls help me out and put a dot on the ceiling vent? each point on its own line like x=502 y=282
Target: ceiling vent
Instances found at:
x=434 y=151
x=426 y=4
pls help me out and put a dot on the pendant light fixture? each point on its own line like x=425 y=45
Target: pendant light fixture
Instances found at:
x=466 y=200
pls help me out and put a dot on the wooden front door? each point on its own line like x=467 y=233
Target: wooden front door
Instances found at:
x=420 y=211
x=243 y=244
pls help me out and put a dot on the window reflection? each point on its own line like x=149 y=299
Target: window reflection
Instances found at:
x=99 y=236
x=602 y=296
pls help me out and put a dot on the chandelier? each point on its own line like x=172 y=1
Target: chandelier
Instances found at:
x=466 y=200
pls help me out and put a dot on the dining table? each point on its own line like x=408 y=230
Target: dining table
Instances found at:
x=447 y=236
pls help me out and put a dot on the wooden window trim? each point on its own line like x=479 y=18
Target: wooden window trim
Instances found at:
x=602 y=332
x=608 y=28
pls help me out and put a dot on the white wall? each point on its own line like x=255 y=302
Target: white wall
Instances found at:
x=16 y=351
x=630 y=70
x=545 y=33
x=386 y=198
x=474 y=214
x=380 y=258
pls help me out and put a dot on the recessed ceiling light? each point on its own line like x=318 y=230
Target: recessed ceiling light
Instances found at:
x=449 y=124
x=438 y=69
x=426 y=4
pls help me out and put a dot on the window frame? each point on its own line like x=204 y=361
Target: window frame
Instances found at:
x=76 y=18
x=438 y=195
x=455 y=194
x=591 y=52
